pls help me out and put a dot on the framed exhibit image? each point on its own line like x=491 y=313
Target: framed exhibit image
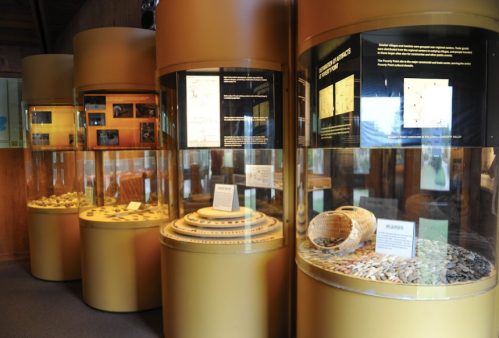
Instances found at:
x=108 y=137
x=41 y=117
x=145 y=110
x=40 y=139
x=326 y=105
x=95 y=102
x=51 y=127
x=122 y=110
x=147 y=132
x=96 y=119
x=203 y=111
x=121 y=121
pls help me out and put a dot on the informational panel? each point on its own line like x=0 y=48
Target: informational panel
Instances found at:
x=420 y=91
x=52 y=128
x=121 y=121
x=338 y=80
x=230 y=109
x=203 y=111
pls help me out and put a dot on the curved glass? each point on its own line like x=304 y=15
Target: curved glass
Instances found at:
x=50 y=163
x=120 y=163
x=397 y=167
x=225 y=125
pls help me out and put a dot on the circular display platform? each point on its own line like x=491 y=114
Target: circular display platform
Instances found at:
x=209 y=212
x=196 y=219
x=209 y=226
x=182 y=227
x=105 y=216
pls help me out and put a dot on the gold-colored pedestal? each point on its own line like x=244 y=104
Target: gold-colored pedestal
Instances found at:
x=224 y=294
x=121 y=266
x=327 y=311
x=496 y=315
x=54 y=241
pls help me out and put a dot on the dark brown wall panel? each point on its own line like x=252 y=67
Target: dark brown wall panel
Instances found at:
x=97 y=14
x=13 y=210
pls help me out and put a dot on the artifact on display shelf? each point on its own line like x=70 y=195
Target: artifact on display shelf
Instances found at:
x=120 y=213
x=68 y=200
x=209 y=226
x=336 y=243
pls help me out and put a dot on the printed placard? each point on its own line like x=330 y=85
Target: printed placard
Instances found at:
x=225 y=197
x=134 y=206
x=396 y=238
x=259 y=176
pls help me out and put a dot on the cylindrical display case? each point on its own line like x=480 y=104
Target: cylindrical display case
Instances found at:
x=396 y=220
x=225 y=254
x=54 y=235
x=120 y=167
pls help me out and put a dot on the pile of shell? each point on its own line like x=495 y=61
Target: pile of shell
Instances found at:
x=435 y=263
x=68 y=200
x=328 y=242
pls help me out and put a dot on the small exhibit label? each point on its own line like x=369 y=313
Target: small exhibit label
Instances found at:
x=134 y=206
x=225 y=197
x=395 y=238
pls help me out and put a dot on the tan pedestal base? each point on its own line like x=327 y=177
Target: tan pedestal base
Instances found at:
x=224 y=295
x=327 y=311
x=54 y=241
x=496 y=316
x=121 y=268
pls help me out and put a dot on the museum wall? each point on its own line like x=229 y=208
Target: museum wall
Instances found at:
x=96 y=14
x=14 y=221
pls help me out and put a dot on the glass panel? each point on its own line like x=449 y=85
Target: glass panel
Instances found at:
x=51 y=164
x=121 y=167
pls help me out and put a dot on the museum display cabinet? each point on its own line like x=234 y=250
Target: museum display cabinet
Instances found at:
x=225 y=249
x=120 y=168
x=50 y=165
x=396 y=223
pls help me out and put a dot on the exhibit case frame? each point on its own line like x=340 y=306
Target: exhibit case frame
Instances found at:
x=397 y=182
x=51 y=167
x=121 y=168
x=225 y=98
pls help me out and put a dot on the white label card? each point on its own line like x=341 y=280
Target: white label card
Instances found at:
x=134 y=206
x=396 y=238
x=226 y=197
x=259 y=176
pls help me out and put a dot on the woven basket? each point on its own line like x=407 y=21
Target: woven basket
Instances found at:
x=364 y=218
x=334 y=225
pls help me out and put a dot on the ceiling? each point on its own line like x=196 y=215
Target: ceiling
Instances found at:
x=35 y=23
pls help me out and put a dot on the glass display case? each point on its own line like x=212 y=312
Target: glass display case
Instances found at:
x=50 y=163
x=228 y=196
x=398 y=127
x=120 y=168
x=229 y=137
x=224 y=81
